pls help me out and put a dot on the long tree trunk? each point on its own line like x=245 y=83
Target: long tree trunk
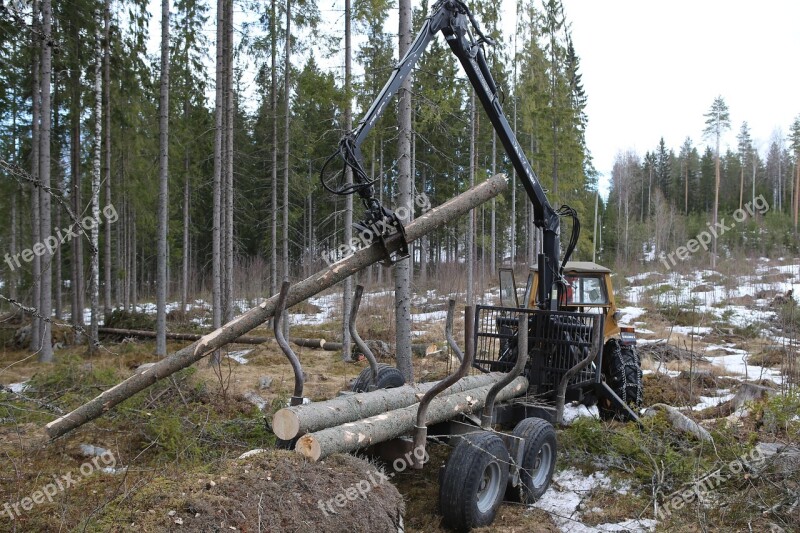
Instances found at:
x=716 y=205
x=363 y=433
x=163 y=184
x=76 y=283
x=402 y=270
x=432 y=220
x=273 y=107
x=470 y=245
x=36 y=112
x=94 y=279
x=347 y=294
x=229 y=114
x=108 y=303
x=12 y=273
x=216 y=244
x=46 y=308
x=185 y=251
x=287 y=65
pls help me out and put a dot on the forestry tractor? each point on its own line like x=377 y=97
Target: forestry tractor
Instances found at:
x=533 y=355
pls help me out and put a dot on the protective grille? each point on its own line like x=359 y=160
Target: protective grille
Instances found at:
x=557 y=341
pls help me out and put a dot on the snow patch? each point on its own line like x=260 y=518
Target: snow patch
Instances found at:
x=239 y=356
x=565 y=495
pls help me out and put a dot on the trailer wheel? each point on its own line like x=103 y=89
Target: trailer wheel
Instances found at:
x=388 y=378
x=474 y=481
x=538 y=459
x=624 y=371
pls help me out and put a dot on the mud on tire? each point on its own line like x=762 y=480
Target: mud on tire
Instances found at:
x=388 y=378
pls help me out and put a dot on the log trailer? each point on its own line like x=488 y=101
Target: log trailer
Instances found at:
x=527 y=359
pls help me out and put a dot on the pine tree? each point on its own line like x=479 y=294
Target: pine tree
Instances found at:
x=717 y=122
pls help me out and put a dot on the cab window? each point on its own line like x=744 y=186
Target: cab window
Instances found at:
x=585 y=290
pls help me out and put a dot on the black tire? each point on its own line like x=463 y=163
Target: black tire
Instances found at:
x=623 y=371
x=474 y=481
x=538 y=459
x=282 y=444
x=388 y=378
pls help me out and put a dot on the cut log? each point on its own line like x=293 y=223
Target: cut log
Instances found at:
x=298 y=420
x=362 y=433
x=436 y=218
x=178 y=336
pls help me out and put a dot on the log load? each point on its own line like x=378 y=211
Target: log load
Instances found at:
x=432 y=220
x=298 y=420
x=392 y=424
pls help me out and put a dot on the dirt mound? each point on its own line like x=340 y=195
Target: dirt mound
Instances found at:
x=271 y=491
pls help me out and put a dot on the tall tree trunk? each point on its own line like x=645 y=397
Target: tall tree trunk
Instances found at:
x=186 y=204
x=36 y=266
x=347 y=295
x=273 y=261
x=229 y=112
x=94 y=260
x=12 y=273
x=76 y=283
x=287 y=65
x=216 y=251
x=492 y=264
x=134 y=264
x=716 y=205
x=163 y=186
x=402 y=270
x=108 y=303
x=46 y=308
x=470 y=245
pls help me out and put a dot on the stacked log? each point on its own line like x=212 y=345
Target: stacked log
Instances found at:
x=392 y=424
x=290 y=422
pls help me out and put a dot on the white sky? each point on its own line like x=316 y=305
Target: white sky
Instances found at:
x=652 y=69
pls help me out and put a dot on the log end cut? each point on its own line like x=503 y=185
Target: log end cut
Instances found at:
x=285 y=424
x=309 y=447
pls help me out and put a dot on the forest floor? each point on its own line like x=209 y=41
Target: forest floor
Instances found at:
x=168 y=458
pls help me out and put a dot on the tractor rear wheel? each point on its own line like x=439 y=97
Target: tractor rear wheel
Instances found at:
x=474 y=481
x=623 y=371
x=388 y=378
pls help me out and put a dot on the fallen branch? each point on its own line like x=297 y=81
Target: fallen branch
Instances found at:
x=293 y=421
x=435 y=218
x=380 y=428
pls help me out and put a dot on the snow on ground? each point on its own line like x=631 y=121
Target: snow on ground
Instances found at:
x=692 y=330
x=18 y=388
x=574 y=412
x=630 y=313
x=737 y=364
x=723 y=395
x=568 y=490
x=239 y=356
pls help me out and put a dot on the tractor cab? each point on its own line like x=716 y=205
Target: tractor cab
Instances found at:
x=588 y=290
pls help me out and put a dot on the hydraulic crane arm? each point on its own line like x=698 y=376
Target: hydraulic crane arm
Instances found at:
x=455 y=21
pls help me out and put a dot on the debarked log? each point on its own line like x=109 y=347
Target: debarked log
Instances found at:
x=298 y=420
x=435 y=218
x=392 y=424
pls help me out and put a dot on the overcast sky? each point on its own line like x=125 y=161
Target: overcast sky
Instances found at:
x=652 y=69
